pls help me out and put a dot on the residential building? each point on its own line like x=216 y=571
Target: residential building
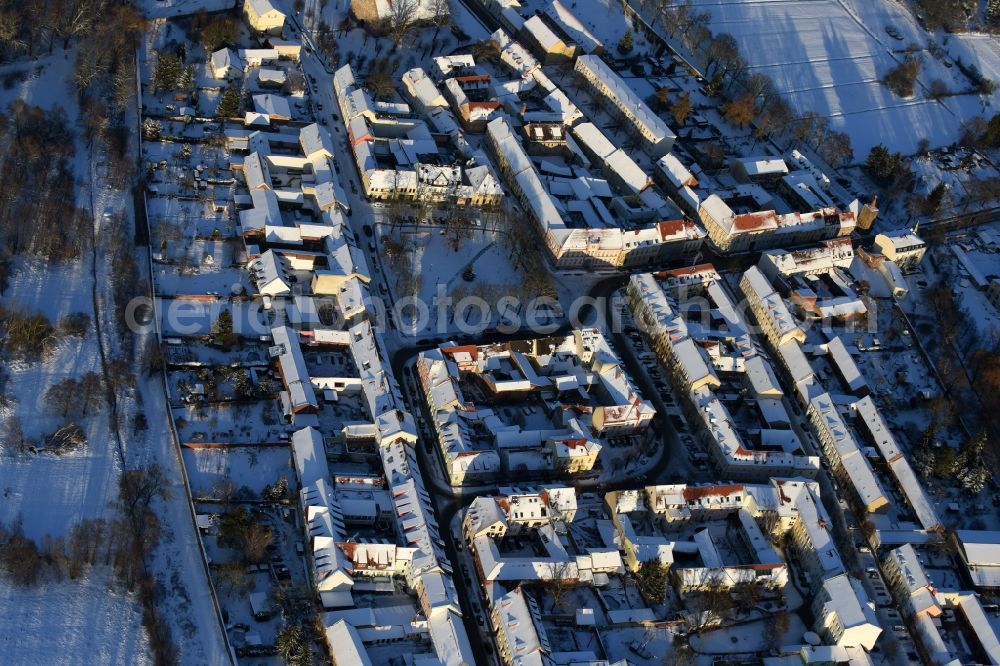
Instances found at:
x=905 y=574
x=657 y=137
x=729 y=231
x=569 y=245
x=398 y=156
x=904 y=247
x=980 y=554
x=704 y=354
x=846 y=458
x=844 y=614
x=263 y=16
x=517 y=420
x=225 y=64
x=770 y=310
x=763 y=169
x=548 y=40
x=520 y=635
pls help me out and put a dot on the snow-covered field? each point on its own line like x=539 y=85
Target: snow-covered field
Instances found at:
x=168 y=8
x=829 y=56
x=87 y=621
x=71 y=622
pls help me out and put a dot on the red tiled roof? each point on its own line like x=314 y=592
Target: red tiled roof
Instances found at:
x=750 y=221
x=690 y=270
x=671 y=227
x=451 y=351
x=705 y=491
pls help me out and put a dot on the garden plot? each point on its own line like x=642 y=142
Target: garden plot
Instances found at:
x=186 y=317
x=247 y=424
x=255 y=468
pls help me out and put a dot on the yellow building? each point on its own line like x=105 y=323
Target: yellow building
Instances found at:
x=263 y=16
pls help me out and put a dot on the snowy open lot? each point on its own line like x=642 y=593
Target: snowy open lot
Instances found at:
x=829 y=56
x=73 y=622
x=251 y=467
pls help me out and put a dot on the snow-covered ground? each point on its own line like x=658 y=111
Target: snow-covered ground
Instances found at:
x=251 y=467
x=829 y=56
x=74 y=622
x=168 y=8
x=87 y=621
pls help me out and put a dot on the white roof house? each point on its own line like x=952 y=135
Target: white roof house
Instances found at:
x=484 y=515
x=268 y=271
x=346 y=646
x=264 y=213
x=870 y=421
x=760 y=167
x=842 y=449
x=907 y=572
x=592 y=138
x=256 y=172
x=271 y=76
x=900 y=241
x=675 y=173
x=629 y=175
x=772 y=312
x=572 y=26
x=275 y=107
x=450 y=640
x=422 y=90
x=980 y=551
x=292 y=367
x=843 y=611
x=309 y=456
x=516 y=623
x=846 y=366
x=982 y=628
x=225 y=63
x=257 y=57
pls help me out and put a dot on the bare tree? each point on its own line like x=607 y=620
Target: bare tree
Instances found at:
x=63 y=397
x=256 y=539
x=402 y=15
x=71 y=18
x=440 y=11
x=560 y=584
x=137 y=488
x=12 y=434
